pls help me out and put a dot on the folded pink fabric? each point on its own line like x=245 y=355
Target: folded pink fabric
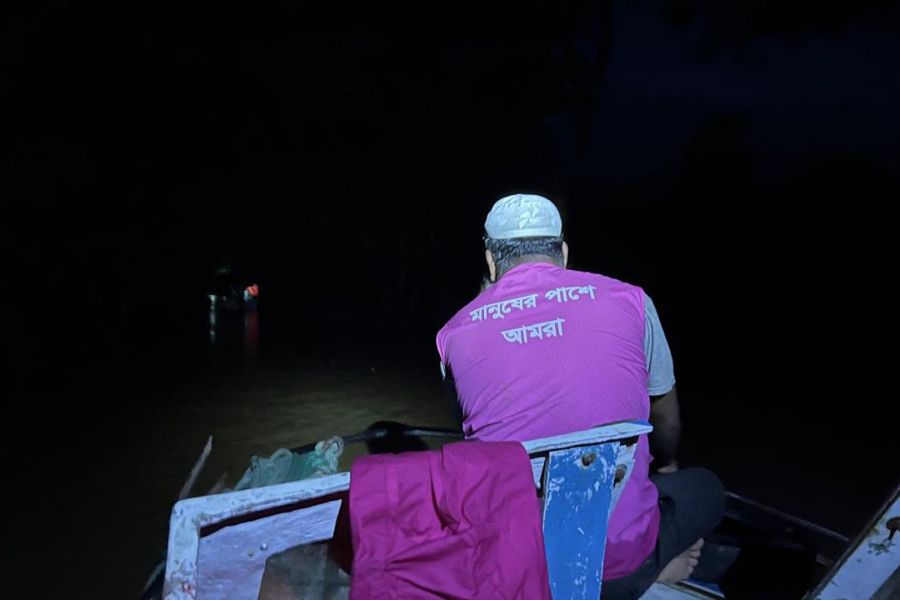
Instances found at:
x=463 y=522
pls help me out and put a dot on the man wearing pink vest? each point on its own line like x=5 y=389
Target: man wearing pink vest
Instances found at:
x=544 y=351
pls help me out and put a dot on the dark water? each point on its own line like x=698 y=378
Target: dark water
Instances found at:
x=106 y=465
x=105 y=462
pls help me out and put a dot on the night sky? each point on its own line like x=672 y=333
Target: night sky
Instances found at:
x=737 y=160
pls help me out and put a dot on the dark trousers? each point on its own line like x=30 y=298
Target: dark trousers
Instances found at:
x=691 y=505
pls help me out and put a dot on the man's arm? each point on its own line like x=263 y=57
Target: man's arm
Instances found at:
x=664 y=411
x=666 y=420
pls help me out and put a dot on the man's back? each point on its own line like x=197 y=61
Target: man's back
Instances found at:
x=547 y=351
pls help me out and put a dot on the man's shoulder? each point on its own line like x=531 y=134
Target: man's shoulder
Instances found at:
x=456 y=323
x=605 y=281
x=463 y=314
x=460 y=316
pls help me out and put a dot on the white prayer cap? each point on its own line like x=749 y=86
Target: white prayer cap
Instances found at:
x=523 y=215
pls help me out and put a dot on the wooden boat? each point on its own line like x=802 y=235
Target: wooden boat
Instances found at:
x=274 y=542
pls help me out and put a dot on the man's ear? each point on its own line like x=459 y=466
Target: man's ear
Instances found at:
x=565 y=249
x=492 y=266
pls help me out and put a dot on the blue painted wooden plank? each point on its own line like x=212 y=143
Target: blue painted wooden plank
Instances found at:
x=577 y=498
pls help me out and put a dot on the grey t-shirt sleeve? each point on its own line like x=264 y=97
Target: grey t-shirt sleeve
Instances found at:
x=657 y=355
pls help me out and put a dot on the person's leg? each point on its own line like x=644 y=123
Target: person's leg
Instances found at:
x=691 y=503
x=698 y=499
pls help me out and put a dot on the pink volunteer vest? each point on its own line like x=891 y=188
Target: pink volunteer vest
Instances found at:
x=547 y=351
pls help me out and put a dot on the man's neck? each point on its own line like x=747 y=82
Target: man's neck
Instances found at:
x=541 y=259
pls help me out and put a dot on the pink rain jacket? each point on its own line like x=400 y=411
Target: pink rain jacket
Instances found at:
x=463 y=522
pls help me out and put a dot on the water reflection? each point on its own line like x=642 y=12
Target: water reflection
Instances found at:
x=233 y=319
x=251 y=333
x=212 y=318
